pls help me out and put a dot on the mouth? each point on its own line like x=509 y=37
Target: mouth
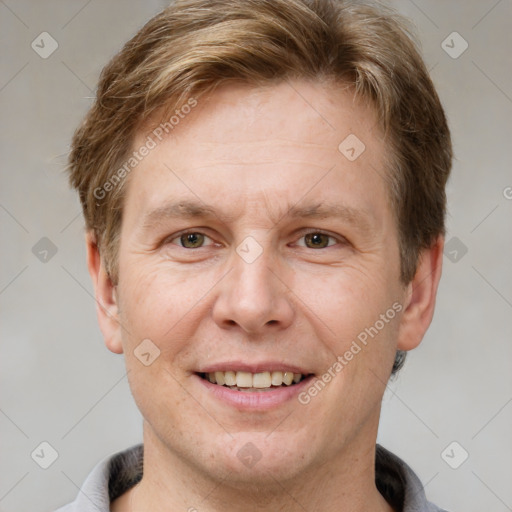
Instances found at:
x=254 y=382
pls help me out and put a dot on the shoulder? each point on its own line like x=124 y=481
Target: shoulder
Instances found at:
x=109 y=479
x=399 y=484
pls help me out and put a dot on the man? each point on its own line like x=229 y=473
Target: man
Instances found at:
x=263 y=188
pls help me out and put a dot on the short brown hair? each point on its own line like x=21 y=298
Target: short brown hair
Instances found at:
x=194 y=46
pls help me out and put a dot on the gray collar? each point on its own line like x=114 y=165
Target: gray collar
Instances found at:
x=113 y=476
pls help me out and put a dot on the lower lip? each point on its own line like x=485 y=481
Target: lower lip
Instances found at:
x=256 y=400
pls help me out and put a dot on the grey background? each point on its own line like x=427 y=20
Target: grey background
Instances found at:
x=59 y=383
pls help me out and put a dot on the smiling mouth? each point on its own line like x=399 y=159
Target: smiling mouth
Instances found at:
x=253 y=382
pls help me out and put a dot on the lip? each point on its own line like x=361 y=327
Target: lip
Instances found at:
x=255 y=400
x=264 y=366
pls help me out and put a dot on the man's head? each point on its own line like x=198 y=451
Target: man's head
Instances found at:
x=194 y=47
x=270 y=128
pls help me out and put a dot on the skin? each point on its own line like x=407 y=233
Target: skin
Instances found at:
x=251 y=154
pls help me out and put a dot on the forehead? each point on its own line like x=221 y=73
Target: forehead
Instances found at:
x=291 y=110
x=262 y=144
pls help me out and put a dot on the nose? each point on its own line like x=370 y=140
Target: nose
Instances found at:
x=254 y=297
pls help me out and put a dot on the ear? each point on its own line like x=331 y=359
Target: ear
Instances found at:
x=421 y=297
x=105 y=294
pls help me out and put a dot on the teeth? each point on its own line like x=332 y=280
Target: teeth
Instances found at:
x=261 y=380
x=219 y=378
x=287 y=378
x=246 y=381
x=277 y=378
x=230 y=378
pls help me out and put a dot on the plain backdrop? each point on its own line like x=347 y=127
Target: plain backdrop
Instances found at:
x=60 y=385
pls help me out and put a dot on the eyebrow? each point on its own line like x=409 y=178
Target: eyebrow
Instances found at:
x=190 y=209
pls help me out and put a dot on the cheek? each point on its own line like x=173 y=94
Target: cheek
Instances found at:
x=149 y=304
x=354 y=313
x=345 y=299
x=162 y=305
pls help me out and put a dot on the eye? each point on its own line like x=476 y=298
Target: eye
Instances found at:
x=197 y=240
x=317 y=240
x=190 y=240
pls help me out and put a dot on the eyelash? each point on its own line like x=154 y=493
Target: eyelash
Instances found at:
x=303 y=234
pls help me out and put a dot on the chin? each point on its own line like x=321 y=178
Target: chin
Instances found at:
x=252 y=459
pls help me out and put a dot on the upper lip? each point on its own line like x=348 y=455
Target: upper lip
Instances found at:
x=265 y=366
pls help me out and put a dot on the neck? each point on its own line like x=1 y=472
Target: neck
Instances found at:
x=344 y=481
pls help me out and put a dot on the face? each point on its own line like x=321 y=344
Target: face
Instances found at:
x=253 y=250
